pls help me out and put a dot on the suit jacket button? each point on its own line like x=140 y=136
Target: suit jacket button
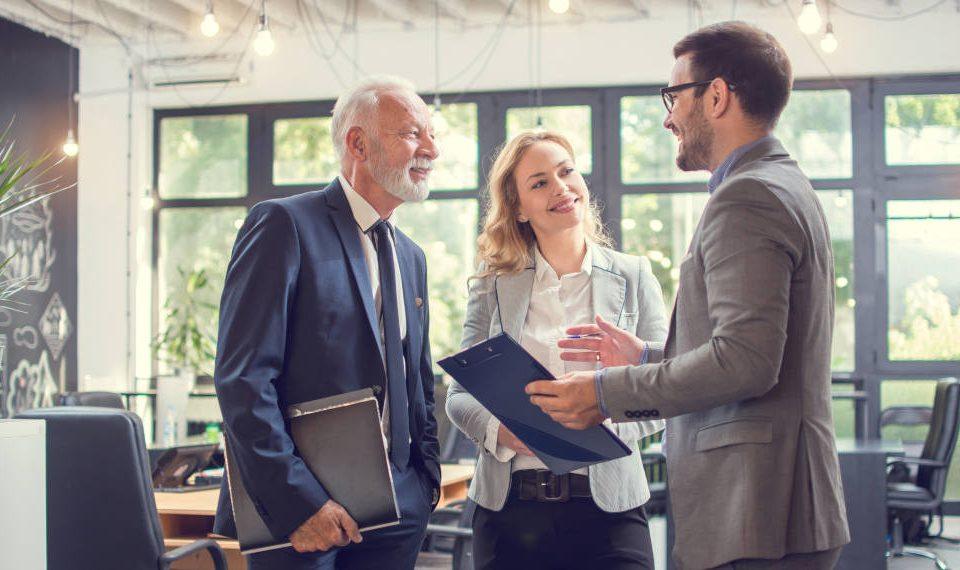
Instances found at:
x=377 y=389
x=655 y=413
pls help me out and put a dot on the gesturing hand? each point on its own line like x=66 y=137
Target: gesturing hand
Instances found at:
x=616 y=347
x=330 y=526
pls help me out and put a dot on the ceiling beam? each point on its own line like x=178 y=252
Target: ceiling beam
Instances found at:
x=103 y=17
x=26 y=15
x=160 y=14
x=228 y=13
x=399 y=10
x=455 y=9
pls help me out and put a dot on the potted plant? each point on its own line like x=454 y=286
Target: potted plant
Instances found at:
x=185 y=342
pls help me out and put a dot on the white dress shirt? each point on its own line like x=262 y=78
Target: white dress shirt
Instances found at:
x=556 y=303
x=366 y=216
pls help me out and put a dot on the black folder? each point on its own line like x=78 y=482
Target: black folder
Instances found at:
x=495 y=372
x=341 y=441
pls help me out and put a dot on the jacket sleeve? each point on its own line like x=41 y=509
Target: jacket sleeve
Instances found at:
x=257 y=301
x=463 y=409
x=749 y=249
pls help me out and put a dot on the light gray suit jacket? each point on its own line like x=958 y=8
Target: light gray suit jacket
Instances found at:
x=745 y=376
x=624 y=292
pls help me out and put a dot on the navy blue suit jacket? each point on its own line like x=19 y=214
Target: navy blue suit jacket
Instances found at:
x=297 y=323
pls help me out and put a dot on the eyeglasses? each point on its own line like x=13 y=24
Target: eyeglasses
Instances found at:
x=667 y=93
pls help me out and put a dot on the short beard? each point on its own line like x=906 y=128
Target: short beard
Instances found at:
x=397 y=181
x=697 y=142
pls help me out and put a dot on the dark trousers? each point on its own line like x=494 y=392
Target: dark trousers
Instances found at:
x=572 y=534
x=391 y=547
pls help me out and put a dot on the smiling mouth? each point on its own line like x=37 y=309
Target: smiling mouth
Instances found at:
x=422 y=172
x=564 y=207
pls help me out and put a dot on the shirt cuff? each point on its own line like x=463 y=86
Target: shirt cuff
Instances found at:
x=645 y=355
x=598 y=379
x=501 y=453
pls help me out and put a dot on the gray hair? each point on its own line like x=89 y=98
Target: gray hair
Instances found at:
x=359 y=105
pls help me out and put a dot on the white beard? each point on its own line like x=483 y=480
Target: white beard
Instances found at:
x=397 y=181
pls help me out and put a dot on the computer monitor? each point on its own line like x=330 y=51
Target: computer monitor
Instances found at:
x=172 y=466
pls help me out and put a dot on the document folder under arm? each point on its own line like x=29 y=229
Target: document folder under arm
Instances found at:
x=341 y=441
x=495 y=372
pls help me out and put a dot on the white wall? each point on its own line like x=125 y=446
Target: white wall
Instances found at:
x=636 y=52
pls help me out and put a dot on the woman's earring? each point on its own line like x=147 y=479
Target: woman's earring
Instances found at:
x=522 y=219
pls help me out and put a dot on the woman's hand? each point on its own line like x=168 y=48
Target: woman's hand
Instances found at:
x=601 y=342
x=506 y=438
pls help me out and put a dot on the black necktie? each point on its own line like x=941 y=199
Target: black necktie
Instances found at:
x=393 y=349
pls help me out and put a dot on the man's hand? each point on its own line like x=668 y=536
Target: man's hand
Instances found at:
x=330 y=526
x=506 y=438
x=616 y=347
x=570 y=400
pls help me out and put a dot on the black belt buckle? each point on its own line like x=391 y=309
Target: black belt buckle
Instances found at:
x=552 y=488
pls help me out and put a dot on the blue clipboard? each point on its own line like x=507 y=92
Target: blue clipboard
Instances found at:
x=495 y=372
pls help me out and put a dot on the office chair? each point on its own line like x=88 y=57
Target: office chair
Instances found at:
x=925 y=494
x=101 y=511
x=450 y=535
x=93 y=399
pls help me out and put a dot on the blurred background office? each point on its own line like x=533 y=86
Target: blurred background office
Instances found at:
x=174 y=117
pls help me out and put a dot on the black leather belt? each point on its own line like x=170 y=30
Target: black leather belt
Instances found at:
x=543 y=485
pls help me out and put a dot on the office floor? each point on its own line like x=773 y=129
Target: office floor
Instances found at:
x=949 y=553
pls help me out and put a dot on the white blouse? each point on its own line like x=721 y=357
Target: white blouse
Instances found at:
x=556 y=303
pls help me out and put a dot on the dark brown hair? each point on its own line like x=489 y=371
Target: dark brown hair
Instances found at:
x=748 y=58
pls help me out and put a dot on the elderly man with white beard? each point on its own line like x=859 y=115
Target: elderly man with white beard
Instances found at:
x=323 y=295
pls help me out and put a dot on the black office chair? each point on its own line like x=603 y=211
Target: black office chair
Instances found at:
x=101 y=512
x=449 y=540
x=926 y=492
x=93 y=399
x=907 y=417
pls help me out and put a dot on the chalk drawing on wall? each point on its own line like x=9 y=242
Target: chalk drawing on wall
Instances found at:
x=55 y=325
x=28 y=233
x=26 y=336
x=30 y=386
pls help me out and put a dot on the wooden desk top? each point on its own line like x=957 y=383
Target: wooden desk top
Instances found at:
x=204 y=503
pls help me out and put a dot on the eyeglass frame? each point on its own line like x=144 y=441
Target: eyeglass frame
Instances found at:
x=666 y=93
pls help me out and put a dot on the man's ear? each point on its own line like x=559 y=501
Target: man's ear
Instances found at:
x=720 y=97
x=356 y=144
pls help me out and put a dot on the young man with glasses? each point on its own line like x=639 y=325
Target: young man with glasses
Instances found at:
x=744 y=376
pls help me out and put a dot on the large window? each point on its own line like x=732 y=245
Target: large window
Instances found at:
x=923 y=265
x=303 y=151
x=203 y=157
x=922 y=129
x=883 y=156
x=573 y=121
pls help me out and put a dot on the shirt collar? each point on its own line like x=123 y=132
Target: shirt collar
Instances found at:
x=545 y=271
x=363 y=213
x=721 y=172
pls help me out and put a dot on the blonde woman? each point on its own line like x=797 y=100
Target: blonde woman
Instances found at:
x=545 y=267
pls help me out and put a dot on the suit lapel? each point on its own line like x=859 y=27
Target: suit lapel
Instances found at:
x=346 y=226
x=609 y=288
x=411 y=291
x=513 y=300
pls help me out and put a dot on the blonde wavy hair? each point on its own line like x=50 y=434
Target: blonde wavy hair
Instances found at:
x=504 y=245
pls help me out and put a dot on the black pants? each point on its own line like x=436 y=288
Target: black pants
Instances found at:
x=575 y=534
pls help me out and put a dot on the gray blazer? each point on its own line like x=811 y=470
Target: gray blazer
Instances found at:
x=626 y=293
x=744 y=378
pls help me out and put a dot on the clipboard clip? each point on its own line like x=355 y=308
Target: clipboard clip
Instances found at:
x=484 y=355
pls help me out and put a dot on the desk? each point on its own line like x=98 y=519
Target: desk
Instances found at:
x=186 y=517
x=863 y=470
